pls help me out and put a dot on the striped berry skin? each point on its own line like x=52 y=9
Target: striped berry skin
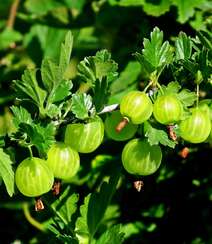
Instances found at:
x=196 y=128
x=33 y=177
x=63 y=161
x=140 y=158
x=167 y=109
x=85 y=138
x=136 y=106
x=110 y=127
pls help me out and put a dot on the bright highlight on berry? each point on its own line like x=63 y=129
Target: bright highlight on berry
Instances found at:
x=63 y=161
x=140 y=158
x=33 y=177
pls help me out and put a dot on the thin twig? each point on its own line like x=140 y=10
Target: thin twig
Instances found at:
x=12 y=15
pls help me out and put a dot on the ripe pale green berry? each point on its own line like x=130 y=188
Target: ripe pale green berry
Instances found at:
x=197 y=127
x=136 y=106
x=167 y=109
x=110 y=127
x=140 y=158
x=85 y=138
x=63 y=161
x=33 y=177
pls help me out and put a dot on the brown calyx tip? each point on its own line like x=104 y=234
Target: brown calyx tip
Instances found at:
x=56 y=188
x=122 y=124
x=138 y=185
x=39 y=206
x=171 y=132
x=184 y=152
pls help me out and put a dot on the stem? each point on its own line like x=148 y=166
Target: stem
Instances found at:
x=30 y=151
x=30 y=219
x=146 y=88
x=160 y=87
x=122 y=124
x=12 y=14
x=197 y=104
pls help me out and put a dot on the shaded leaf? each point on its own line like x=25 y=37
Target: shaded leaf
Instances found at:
x=112 y=235
x=127 y=77
x=6 y=172
x=183 y=46
x=66 y=205
x=101 y=93
x=99 y=202
x=81 y=227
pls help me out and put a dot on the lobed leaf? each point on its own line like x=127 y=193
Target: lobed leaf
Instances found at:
x=30 y=88
x=96 y=67
x=183 y=46
x=21 y=115
x=156 y=136
x=156 y=54
x=81 y=105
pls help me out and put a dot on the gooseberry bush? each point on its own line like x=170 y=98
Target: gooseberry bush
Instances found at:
x=59 y=124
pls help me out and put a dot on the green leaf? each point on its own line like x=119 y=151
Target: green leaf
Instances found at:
x=6 y=172
x=51 y=74
x=65 y=52
x=172 y=88
x=101 y=93
x=30 y=88
x=41 y=7
x=43 y=36
x=42 y=137
x=113 y=235
x=81 y=227
x=158 y=8
x=156 y=136
x=186 y=8
x=66 y=205
x=155 y=54
x=187 y=97
x=183 y=47
x=96 y=67
x=127 y=2
x=82 y=105
x=8 y=36
x=98 y=203
x=127 y=77
x=52 y=77
x=205 y=38
x=21 y=115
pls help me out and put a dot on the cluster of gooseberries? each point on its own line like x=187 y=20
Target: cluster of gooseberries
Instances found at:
x=35 y=176
x=138 y=156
